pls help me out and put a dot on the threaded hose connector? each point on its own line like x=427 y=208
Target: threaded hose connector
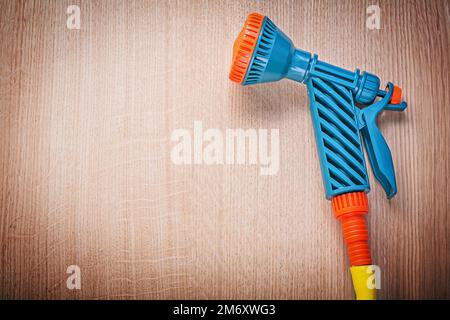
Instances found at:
x=350 y=209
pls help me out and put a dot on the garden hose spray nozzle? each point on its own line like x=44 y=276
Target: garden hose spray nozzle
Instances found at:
x=343 y=104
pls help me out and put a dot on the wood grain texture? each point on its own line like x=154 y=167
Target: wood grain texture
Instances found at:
x=86 y=177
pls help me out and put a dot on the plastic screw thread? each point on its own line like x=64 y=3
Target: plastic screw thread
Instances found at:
x=350 y=209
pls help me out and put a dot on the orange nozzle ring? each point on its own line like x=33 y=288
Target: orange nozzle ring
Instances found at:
x=244 y=45
x=350 y=209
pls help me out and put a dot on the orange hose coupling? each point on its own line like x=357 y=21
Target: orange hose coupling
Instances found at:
x=350 y=209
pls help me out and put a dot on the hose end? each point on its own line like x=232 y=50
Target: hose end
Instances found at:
x=363 y=282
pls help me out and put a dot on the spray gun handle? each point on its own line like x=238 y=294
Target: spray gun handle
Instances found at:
x=377 y=149
x=337 y=126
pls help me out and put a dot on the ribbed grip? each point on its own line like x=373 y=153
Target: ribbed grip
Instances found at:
x=350 y=209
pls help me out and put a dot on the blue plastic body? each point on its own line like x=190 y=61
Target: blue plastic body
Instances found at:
x=333 y=94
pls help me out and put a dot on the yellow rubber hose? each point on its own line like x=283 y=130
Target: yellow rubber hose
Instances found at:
x=364 y=282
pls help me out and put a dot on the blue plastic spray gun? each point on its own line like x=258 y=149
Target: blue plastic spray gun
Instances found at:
x=343 y=103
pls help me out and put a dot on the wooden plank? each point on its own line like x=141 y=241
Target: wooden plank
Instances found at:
x=86 y=176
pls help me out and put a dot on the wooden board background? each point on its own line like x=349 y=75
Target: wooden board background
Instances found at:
x=86 y=177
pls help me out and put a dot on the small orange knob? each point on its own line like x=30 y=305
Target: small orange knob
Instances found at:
x=396 y=97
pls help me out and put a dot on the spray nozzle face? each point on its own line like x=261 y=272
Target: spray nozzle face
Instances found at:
x=244 y=47
x=263 y=53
